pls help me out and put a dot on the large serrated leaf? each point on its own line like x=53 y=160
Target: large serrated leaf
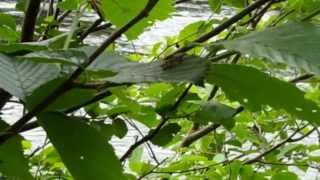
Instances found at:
x=82 y=148
x=191 y=69
x=295 y=44
x=253 y=89
x=20 y=77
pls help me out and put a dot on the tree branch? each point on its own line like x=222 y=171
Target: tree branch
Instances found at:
x=289 y=139
x=191 y=138
x=67 y=85
x=222 y=26
x=30 y=19
x=158 y=128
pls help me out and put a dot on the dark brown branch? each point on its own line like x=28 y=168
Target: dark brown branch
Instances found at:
x=301 y=78
x=198 y=134
x=151 y=134
x=30 y=19
x=67 y=85
x=90 y=29
x=289 y=164
x=191 y=138
x=223 y=26
x=63 y=16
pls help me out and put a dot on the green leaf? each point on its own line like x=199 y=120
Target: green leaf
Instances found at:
x=285 y=175
x=20 y=78
x=53 y=43
x=120 y=12
x=7 y=20
x=127 y=71
x=253 y=89
x=235 y=3
x=136 y=159
x=166 y=134
x=293 y=44
x=69 y=4
x=71 y=98
x=166 y=102
x=7 y=34
x=13 y=163
x=215 y=5
x=192 y=31
x=119 y=127
x=68 y=57
x=191 y=69
x=83 y=150
x=214 y=112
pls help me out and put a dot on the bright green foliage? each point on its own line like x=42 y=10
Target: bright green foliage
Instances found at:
x=283 y=44
x=22 y=77
x=225 y=119
x=194 y=30
x=81 y=147
x=120 y=12
x=70 y=4
x=7 y=28
x=285 y=175
x=14 y=165
x=253 y=89
x=215 y=5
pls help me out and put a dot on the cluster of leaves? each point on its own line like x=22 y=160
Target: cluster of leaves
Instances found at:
x=217 y=94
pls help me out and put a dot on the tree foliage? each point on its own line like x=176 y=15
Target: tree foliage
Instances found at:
x=231 y=97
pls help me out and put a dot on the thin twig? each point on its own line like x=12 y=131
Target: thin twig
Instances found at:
x=155 y=167
x=221 y=27
x=151 y=134
x=289 y=164
x=289 y=139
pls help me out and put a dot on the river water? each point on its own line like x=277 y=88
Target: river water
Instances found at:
x=186 y=13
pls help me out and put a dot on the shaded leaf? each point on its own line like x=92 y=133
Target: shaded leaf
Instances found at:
x=20 y=77
x=214 y=112
x=83 y=150
x=119 y=127
x=166 y=134
x=13 y=164
x=253 y=89
x=71 y=98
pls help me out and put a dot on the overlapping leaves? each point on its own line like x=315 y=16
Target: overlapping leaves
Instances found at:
x=254 y=89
